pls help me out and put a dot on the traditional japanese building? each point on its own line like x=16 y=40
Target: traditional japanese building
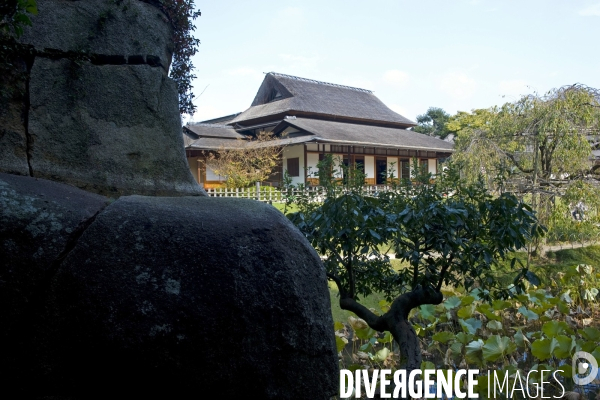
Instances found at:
x=312 y=119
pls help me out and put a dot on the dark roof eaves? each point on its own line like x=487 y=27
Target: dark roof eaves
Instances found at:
x=441 y=149
x=328 y=117
x=297 y=123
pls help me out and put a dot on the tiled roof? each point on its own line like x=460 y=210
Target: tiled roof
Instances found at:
x=212 y=130
x=359 y=134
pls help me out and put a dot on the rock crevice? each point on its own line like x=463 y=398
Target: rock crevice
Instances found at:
x=71 y=243
x=28 y=139
x=99 y=59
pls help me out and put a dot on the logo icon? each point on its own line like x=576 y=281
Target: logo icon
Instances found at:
x=584 y=363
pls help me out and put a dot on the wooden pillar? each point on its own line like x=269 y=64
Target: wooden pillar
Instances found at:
x=305 y=167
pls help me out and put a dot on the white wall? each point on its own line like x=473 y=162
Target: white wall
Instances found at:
x=432 y=166
x=292 y=152
x=211 y=176
x=311 y=160
x=370 y=166
x=338 y=159
x=395 y=167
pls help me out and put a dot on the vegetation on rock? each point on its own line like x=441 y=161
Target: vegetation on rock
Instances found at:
x=181 y=14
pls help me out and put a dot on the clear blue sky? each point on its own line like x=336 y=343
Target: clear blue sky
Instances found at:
x=454 y=54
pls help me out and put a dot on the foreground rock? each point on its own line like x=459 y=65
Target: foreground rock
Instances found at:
x=166 y=294
x=39 y=220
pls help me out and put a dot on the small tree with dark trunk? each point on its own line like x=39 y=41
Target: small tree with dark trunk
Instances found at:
x=448 y=232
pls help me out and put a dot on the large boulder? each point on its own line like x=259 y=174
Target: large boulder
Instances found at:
x=187 y=294
x=90 y=103
x=13 y=113
x=39 y=220
x=109 y=129
x=125 y=30
x=176 y=295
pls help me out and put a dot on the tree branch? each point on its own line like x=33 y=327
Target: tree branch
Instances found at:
x=338 y=283
x=445 y=268
x=373 y=320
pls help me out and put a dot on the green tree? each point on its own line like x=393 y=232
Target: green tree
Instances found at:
x=537 y=146
x=543 y=138
x=433 y=123
x=473 y=151
x=246 y=161
x=448 y=232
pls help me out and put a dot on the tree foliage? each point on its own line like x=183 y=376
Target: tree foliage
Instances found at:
x=543 y=138
x=446 y=231
x=14 y=15
x=247 y=161
x=181 y=14
x=433 y=123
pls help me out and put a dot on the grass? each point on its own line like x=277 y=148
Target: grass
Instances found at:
x=280 y=206
x=584 y=255
x=371 y=301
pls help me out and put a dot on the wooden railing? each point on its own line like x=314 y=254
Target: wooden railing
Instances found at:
x=277 y=195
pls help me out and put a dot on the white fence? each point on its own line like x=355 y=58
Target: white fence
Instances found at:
x=276 y=195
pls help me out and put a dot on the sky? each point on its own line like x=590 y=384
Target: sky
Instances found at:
x=459 y=55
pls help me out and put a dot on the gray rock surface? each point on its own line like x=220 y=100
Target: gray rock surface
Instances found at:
x=38 y=220
x=108 y=129
x=13 y=138
x=122 y=28
x=159 y=294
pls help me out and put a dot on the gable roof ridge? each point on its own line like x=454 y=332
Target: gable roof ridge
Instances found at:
x=320 y=82
x=209 y=125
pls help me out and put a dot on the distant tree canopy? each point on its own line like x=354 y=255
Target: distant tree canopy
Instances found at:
x=542 y=137
x=433 y=123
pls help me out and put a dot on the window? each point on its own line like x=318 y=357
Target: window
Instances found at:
x=380 y=171
x=424 y=164
x=293 y=166
x=405 y=169
x=359 y=163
